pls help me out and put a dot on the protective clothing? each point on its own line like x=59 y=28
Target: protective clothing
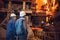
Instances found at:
x=22 y=13
x=19 y=25
x=11 y=32
x=12 y=15
x=21 y=29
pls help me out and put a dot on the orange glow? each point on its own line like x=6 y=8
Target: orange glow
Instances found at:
x=46 y=19
x=37 y=29
x=45 y=1
x=54 y=7
x=51 y=5
x=39 y=4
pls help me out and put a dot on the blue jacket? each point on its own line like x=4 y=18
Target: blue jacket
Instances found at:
x=11 y=28
x=19 y=26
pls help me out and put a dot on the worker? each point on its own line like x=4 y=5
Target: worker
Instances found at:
x=21 y=29
x=11 y=32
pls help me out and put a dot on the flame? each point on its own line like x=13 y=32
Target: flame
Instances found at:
x=50 y=6
x=54 y=7
x=45 y=1
x=39 y=4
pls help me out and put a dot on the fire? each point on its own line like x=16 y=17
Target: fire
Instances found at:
x=39 y=4
x=54 y=7
x=45 y=1
x=49 y=6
